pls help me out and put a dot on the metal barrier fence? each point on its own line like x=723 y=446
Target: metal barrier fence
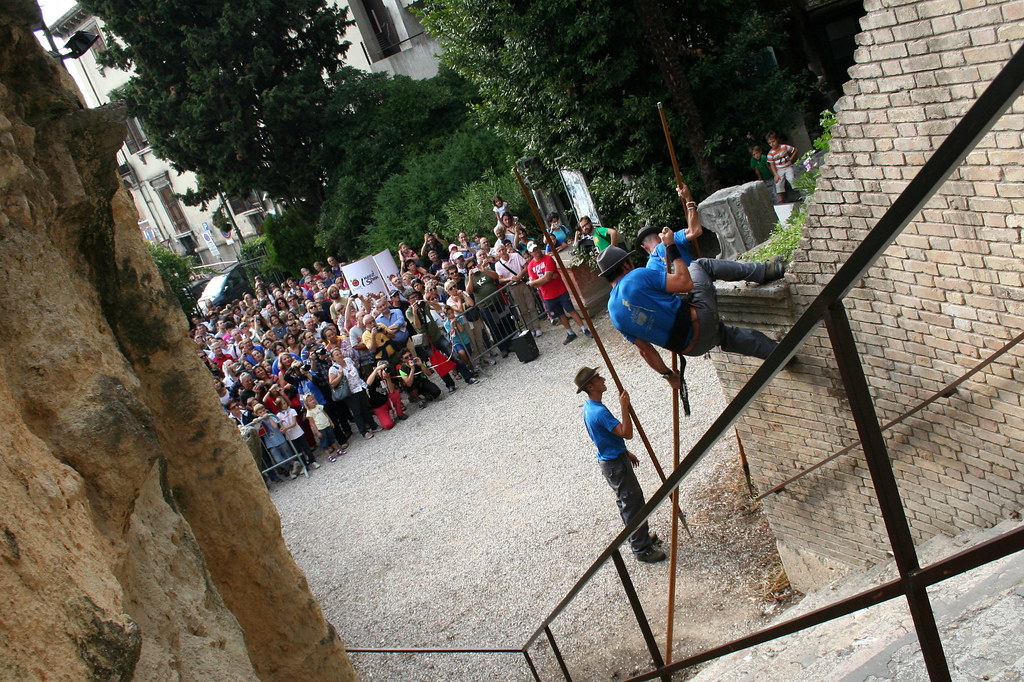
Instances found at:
x=505 y=314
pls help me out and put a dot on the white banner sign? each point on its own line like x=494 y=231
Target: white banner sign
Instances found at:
x=386 y=265
x=363 y=277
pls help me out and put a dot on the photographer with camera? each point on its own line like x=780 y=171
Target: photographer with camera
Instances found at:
x=378 y=340
x=415 y=377
x=385 y=399
x=347 y=385
x=431 y=242
x=422 y=316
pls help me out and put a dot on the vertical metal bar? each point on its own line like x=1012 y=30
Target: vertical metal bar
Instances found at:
x=638 y=611
x=877 y=457
x=558 y=654
x=529 y=662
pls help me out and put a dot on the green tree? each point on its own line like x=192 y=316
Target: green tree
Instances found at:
x=175 y=271
x=380 y=121
x=411 y=202
x=235 y=90
x=470 y=210
x=576 y=82
x=290 y=240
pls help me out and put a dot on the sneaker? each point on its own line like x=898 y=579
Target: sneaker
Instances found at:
x=472 y=381
x=652 y=556
x=315 y=465
x=332 y=458
x=554 y=321
x=774 y=269
x=451 y=389
x=294 y=473
x=403 y=417
x=586 y=333
x=569 y=338
x=421 y=403
x=537 y=332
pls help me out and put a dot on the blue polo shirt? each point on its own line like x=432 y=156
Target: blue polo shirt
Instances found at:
x=640 y=308
x=657 y=260
x=396 y=316
x=600 y=423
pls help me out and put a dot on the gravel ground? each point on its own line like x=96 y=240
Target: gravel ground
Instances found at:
x=443 y=533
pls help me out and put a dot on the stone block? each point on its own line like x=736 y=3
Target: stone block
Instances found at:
x=741 y=216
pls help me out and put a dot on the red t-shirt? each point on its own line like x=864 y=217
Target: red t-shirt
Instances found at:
x=555 y=286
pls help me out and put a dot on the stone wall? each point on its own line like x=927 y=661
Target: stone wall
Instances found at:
x=947 y=294
x=137 y=540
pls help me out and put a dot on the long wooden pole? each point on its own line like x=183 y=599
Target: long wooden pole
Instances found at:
x=578 y=300
x=675 y=167
x=674 y=547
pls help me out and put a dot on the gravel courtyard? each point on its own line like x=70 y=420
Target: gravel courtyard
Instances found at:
x=466 y=524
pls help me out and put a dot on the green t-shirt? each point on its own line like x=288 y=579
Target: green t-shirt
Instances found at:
x=601 y=240
x=483 y=286
x=762 y=165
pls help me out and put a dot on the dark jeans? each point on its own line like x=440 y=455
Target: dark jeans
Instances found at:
x=495 y=314
x=628 y=496
x=360 y=408
x=712 y=332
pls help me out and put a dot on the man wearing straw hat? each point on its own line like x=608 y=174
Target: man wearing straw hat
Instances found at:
x=617 y=463
x=644 y=308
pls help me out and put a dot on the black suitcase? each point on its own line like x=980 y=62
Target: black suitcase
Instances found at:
x=524 y=346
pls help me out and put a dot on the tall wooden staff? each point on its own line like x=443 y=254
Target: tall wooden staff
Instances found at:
x=578 y=300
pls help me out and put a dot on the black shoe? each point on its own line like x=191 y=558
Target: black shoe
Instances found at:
x=774 y=269
x=652 y=556
x=451 y=389
x=569 y=338
x=586 y=333
x=472 y=381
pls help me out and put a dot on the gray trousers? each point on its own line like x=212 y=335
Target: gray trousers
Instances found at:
x=628 y=496
x=712 y=333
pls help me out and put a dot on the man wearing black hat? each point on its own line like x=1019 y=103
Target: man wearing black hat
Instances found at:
x=617 y=463
x=649 y=238
x=644 y=308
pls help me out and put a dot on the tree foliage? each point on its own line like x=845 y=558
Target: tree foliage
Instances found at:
x=234 y=90
x=470 y=210
x=575 y=83
x=175 y=271
x=380 y=121
x=290 y=240
x=411 y=202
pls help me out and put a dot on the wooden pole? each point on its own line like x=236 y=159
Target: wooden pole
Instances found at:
x=674 y=547
x=675 y=168
x=578 y=300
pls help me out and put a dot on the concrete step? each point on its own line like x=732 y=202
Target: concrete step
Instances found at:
x=980 y=616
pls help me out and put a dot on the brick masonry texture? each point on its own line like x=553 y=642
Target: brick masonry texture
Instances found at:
x=946 y=295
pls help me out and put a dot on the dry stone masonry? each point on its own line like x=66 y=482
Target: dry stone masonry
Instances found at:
x=946 y=295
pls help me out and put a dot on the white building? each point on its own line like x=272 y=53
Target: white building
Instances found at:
x=385 y=37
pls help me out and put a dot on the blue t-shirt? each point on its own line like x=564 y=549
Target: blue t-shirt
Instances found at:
x=657 y=260
x=560 y=235
x=396 y=316
x=600 y=424
x=640 y=307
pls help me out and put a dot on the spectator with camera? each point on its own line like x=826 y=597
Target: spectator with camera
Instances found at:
x=425 y=318
x=384 y=396
x=415 y=377
x=378 y=340
x=347 y=385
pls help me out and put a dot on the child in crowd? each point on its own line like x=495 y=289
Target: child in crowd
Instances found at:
x=782 y=158
x=500 y=207
x=274 y=440
x=323 y=428
x=763 y=171
x=289 y=420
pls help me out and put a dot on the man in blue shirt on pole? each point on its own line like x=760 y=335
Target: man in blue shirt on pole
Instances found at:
x=649 y=238
x=644 y=308
x=617 y=463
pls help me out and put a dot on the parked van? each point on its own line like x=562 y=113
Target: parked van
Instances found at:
x=222 y=289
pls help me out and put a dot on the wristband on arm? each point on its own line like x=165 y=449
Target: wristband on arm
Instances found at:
x=672 y=252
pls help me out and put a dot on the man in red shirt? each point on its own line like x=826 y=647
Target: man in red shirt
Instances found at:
x=545 y=278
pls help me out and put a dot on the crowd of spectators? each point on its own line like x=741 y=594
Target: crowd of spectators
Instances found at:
x=306 y=365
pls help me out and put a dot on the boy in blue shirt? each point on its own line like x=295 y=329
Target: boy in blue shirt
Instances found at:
x=617 y=463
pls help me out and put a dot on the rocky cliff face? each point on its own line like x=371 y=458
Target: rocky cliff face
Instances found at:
x=136 y=538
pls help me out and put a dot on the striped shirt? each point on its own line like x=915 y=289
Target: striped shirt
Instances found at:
x=781 y=158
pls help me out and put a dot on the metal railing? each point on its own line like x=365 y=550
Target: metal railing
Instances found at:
x=828 y=308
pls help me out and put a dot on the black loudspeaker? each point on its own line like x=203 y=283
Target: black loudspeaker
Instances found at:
x=524 y=346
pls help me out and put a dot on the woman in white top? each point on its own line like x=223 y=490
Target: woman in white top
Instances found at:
x=343 y=369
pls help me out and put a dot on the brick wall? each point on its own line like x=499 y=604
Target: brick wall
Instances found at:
x=947 y=294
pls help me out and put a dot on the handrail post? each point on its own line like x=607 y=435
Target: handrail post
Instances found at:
x=893 y=514
x=638 y=611
x=558 y=654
